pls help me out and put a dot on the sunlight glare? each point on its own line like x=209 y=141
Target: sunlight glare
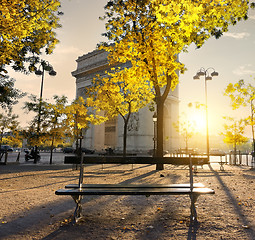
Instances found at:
x=199 y=121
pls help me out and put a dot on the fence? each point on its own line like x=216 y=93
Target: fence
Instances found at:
x=4 y=158
x=238 y=158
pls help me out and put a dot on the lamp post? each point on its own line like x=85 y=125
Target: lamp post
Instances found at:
x=154 y=118
x=45 y=66
x=208 y=73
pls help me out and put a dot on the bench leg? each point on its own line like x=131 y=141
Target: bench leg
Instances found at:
x=221 y=167
x=77 y=212
x=193 y=212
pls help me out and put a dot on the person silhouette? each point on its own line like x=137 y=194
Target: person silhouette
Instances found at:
x=32 y=153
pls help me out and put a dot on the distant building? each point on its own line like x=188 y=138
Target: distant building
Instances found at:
x=140 y=128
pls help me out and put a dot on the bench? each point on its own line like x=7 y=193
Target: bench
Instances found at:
x=200 y=162
x=77 y=191
x=221 y=163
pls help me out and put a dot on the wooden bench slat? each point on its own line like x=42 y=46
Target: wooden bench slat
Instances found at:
x=133 y=191
x=184 y=185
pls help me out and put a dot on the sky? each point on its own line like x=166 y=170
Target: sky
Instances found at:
x=232 y=56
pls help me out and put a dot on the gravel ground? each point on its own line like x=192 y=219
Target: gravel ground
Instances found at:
x=31 y=210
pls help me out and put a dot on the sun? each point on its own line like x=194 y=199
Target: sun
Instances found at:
x=199 y=122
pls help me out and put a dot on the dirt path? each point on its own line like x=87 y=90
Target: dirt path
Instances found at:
x=31 y=210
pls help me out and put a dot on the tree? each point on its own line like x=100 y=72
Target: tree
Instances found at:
x=233 y=133
x=14 y=137
x=27 y=27
x=36 y=137
x=54 y=124
x=186 y=130
x=78 y=117
x=120 y=93
x=151 y=34
x=9 y=129
x=8 y=94
x=242 y=94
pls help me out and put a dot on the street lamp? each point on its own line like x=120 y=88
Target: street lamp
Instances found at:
x=45 y=66
x=154 y=118
x=208 y=73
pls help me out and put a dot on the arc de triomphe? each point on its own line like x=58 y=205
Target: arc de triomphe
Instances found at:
x=141 y=126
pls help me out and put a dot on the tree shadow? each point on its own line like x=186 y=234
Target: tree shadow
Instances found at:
x=59 y=208
x=63 y=207
x=245 y=222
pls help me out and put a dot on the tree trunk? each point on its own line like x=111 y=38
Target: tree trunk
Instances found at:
x=235 y=153
x=160 y=100
x=51 y=150
x=125 y=119
x=160 y=133
x=125 y=138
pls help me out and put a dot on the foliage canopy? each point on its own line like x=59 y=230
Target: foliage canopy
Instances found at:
x=243 y=94
x=10 y=129
x=234 y=132
x=26 y=27
x=8 y=94
x=121 y=92
x=152 y=33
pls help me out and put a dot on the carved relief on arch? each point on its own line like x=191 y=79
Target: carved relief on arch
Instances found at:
x=133 y=124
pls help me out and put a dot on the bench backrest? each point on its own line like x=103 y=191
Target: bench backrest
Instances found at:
x=136 y=160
